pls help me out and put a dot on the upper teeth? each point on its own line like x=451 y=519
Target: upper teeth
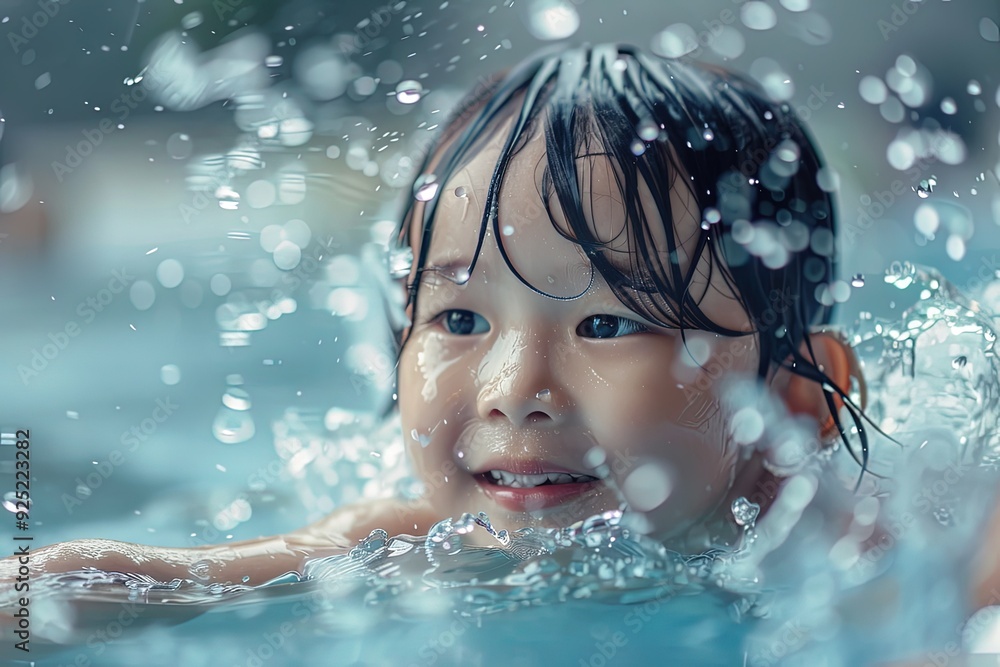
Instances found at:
x=504 y=478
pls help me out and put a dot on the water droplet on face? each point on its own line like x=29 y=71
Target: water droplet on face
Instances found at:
x=508 y=230
x=409 y=91
x=426 y=187
x=461 y=192
x=400 y=262
x=544 y=395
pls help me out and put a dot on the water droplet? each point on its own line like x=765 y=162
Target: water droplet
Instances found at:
x=648 y=130
x=461 y=192
x=544 y=395
x=989 y=30
x=409 y=91
x=508 y=230
x=233 y=424
x=142 y=294
x=10 y=502
x=426 y=187
x=192 y=20
x=170 y=273
x=926 y=187
x=552 y=19
x=400 y=262
x=638 y=147
x=170 y=374
x=758 y=15
x=675 y=41
x=287 y=255
x=744 y=511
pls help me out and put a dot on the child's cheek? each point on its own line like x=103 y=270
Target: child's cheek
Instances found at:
x=433 y=359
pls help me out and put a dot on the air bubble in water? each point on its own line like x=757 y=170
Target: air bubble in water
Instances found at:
x=959 y=362
x=974 y=88
x=179 y=146
x=409 y=92
x=948 y=106
x=858 y=280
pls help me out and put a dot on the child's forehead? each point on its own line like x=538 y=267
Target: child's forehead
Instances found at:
x=521 y=211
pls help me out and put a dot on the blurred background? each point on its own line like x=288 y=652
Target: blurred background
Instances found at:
x=193 y=196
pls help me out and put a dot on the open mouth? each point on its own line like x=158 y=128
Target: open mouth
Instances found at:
x=515 y=481
x=524 y=493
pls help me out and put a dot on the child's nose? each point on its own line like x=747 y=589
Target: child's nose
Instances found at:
x=523 y=389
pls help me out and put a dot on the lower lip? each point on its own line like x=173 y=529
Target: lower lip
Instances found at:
x=536 y=498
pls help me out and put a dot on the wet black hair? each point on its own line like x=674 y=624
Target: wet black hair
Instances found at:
x=754 y=170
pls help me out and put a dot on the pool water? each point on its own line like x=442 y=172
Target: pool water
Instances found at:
x=792 y=590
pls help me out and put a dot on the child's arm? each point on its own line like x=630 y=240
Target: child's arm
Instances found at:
x=260 y=560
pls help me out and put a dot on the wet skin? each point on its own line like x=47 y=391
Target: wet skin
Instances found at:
x=495 y=372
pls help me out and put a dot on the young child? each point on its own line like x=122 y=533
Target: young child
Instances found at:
x=595 y=244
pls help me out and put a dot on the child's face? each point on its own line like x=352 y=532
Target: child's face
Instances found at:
x=495 y=376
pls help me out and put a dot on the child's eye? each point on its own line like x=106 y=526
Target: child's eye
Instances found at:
x=609 y=326
x=464 y=322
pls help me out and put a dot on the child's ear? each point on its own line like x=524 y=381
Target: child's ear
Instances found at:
x=801 y=395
